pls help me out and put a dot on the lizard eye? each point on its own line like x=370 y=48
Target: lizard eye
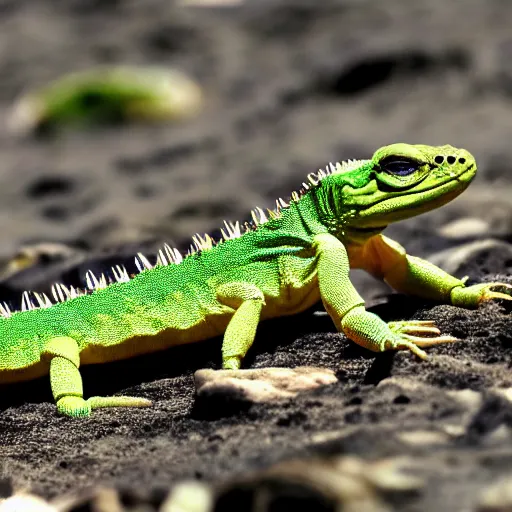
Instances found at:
x=399 y=167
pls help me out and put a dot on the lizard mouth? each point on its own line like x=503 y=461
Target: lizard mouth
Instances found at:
x=467 y=170
x=369 y=229
x=411 y=203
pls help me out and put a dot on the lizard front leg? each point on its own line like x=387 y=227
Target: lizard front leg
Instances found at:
x=386 y=258
x=346 y=307
x=66 y=381
x=248 y=301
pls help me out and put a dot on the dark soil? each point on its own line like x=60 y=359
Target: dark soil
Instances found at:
x=289 y=86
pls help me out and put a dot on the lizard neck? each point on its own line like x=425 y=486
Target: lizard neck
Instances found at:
x=320 y=211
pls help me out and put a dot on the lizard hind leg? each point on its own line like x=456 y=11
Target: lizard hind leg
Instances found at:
x=248 y=301
x=66 y=382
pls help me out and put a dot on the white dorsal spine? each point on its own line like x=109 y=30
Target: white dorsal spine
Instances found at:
x=91 y=280
x=202 y=243
x=75 y=292
x=258 y=216
x=232 y=230
x=161 y=259
x=43 y=300
x=102 y=283
x=5 y=310
x=120 y=274
x=60 y=292
x=313 y=178
x=26 y=302
x=173 y=255
x=142 y=263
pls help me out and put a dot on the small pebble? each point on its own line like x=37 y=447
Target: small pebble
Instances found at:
x=261 y=385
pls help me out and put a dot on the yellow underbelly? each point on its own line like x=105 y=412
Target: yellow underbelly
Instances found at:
x=34 y=371
x=131 y=347
x=211 y=327
x=292 y=303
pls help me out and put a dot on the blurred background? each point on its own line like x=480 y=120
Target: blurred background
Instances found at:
x=279 y=89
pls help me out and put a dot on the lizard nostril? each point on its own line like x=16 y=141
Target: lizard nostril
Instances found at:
x=451 y=160
x=439 y=159
x=462 y=160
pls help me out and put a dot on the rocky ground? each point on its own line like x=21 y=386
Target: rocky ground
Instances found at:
x=289 y=86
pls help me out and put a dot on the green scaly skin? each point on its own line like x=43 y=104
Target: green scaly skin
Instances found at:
x=281 y=266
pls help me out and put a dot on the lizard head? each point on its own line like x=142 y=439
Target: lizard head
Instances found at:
x=403 y=180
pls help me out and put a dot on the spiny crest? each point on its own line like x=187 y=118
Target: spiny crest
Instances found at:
x=337 y=168
x=258 y=216
x=29 y=300
x=5 y=310
x=171 y=256
x=62 y=293
x=168 y=255
x=142 y=263
x=120 y=274
x=202 y=243
x=232 y=230
x=93 y=283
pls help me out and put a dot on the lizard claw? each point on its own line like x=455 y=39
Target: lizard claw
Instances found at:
x=406 y=338
x=430 y=342
x=370 y=331
x=489 y=294
x=414 y=327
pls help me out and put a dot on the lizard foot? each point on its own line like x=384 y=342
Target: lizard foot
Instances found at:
x=406 y=336
x=232 y=363
x=76 y=406
x=472 y=296
x=370 y=331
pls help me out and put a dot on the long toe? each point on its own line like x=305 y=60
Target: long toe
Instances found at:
x=97 y=402
x=430 y=342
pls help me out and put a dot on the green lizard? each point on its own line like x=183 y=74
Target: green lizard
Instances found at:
x=280 y=264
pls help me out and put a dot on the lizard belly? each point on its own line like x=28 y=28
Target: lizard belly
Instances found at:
x=33 y=371
x=292 y=300
x=211 y=326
